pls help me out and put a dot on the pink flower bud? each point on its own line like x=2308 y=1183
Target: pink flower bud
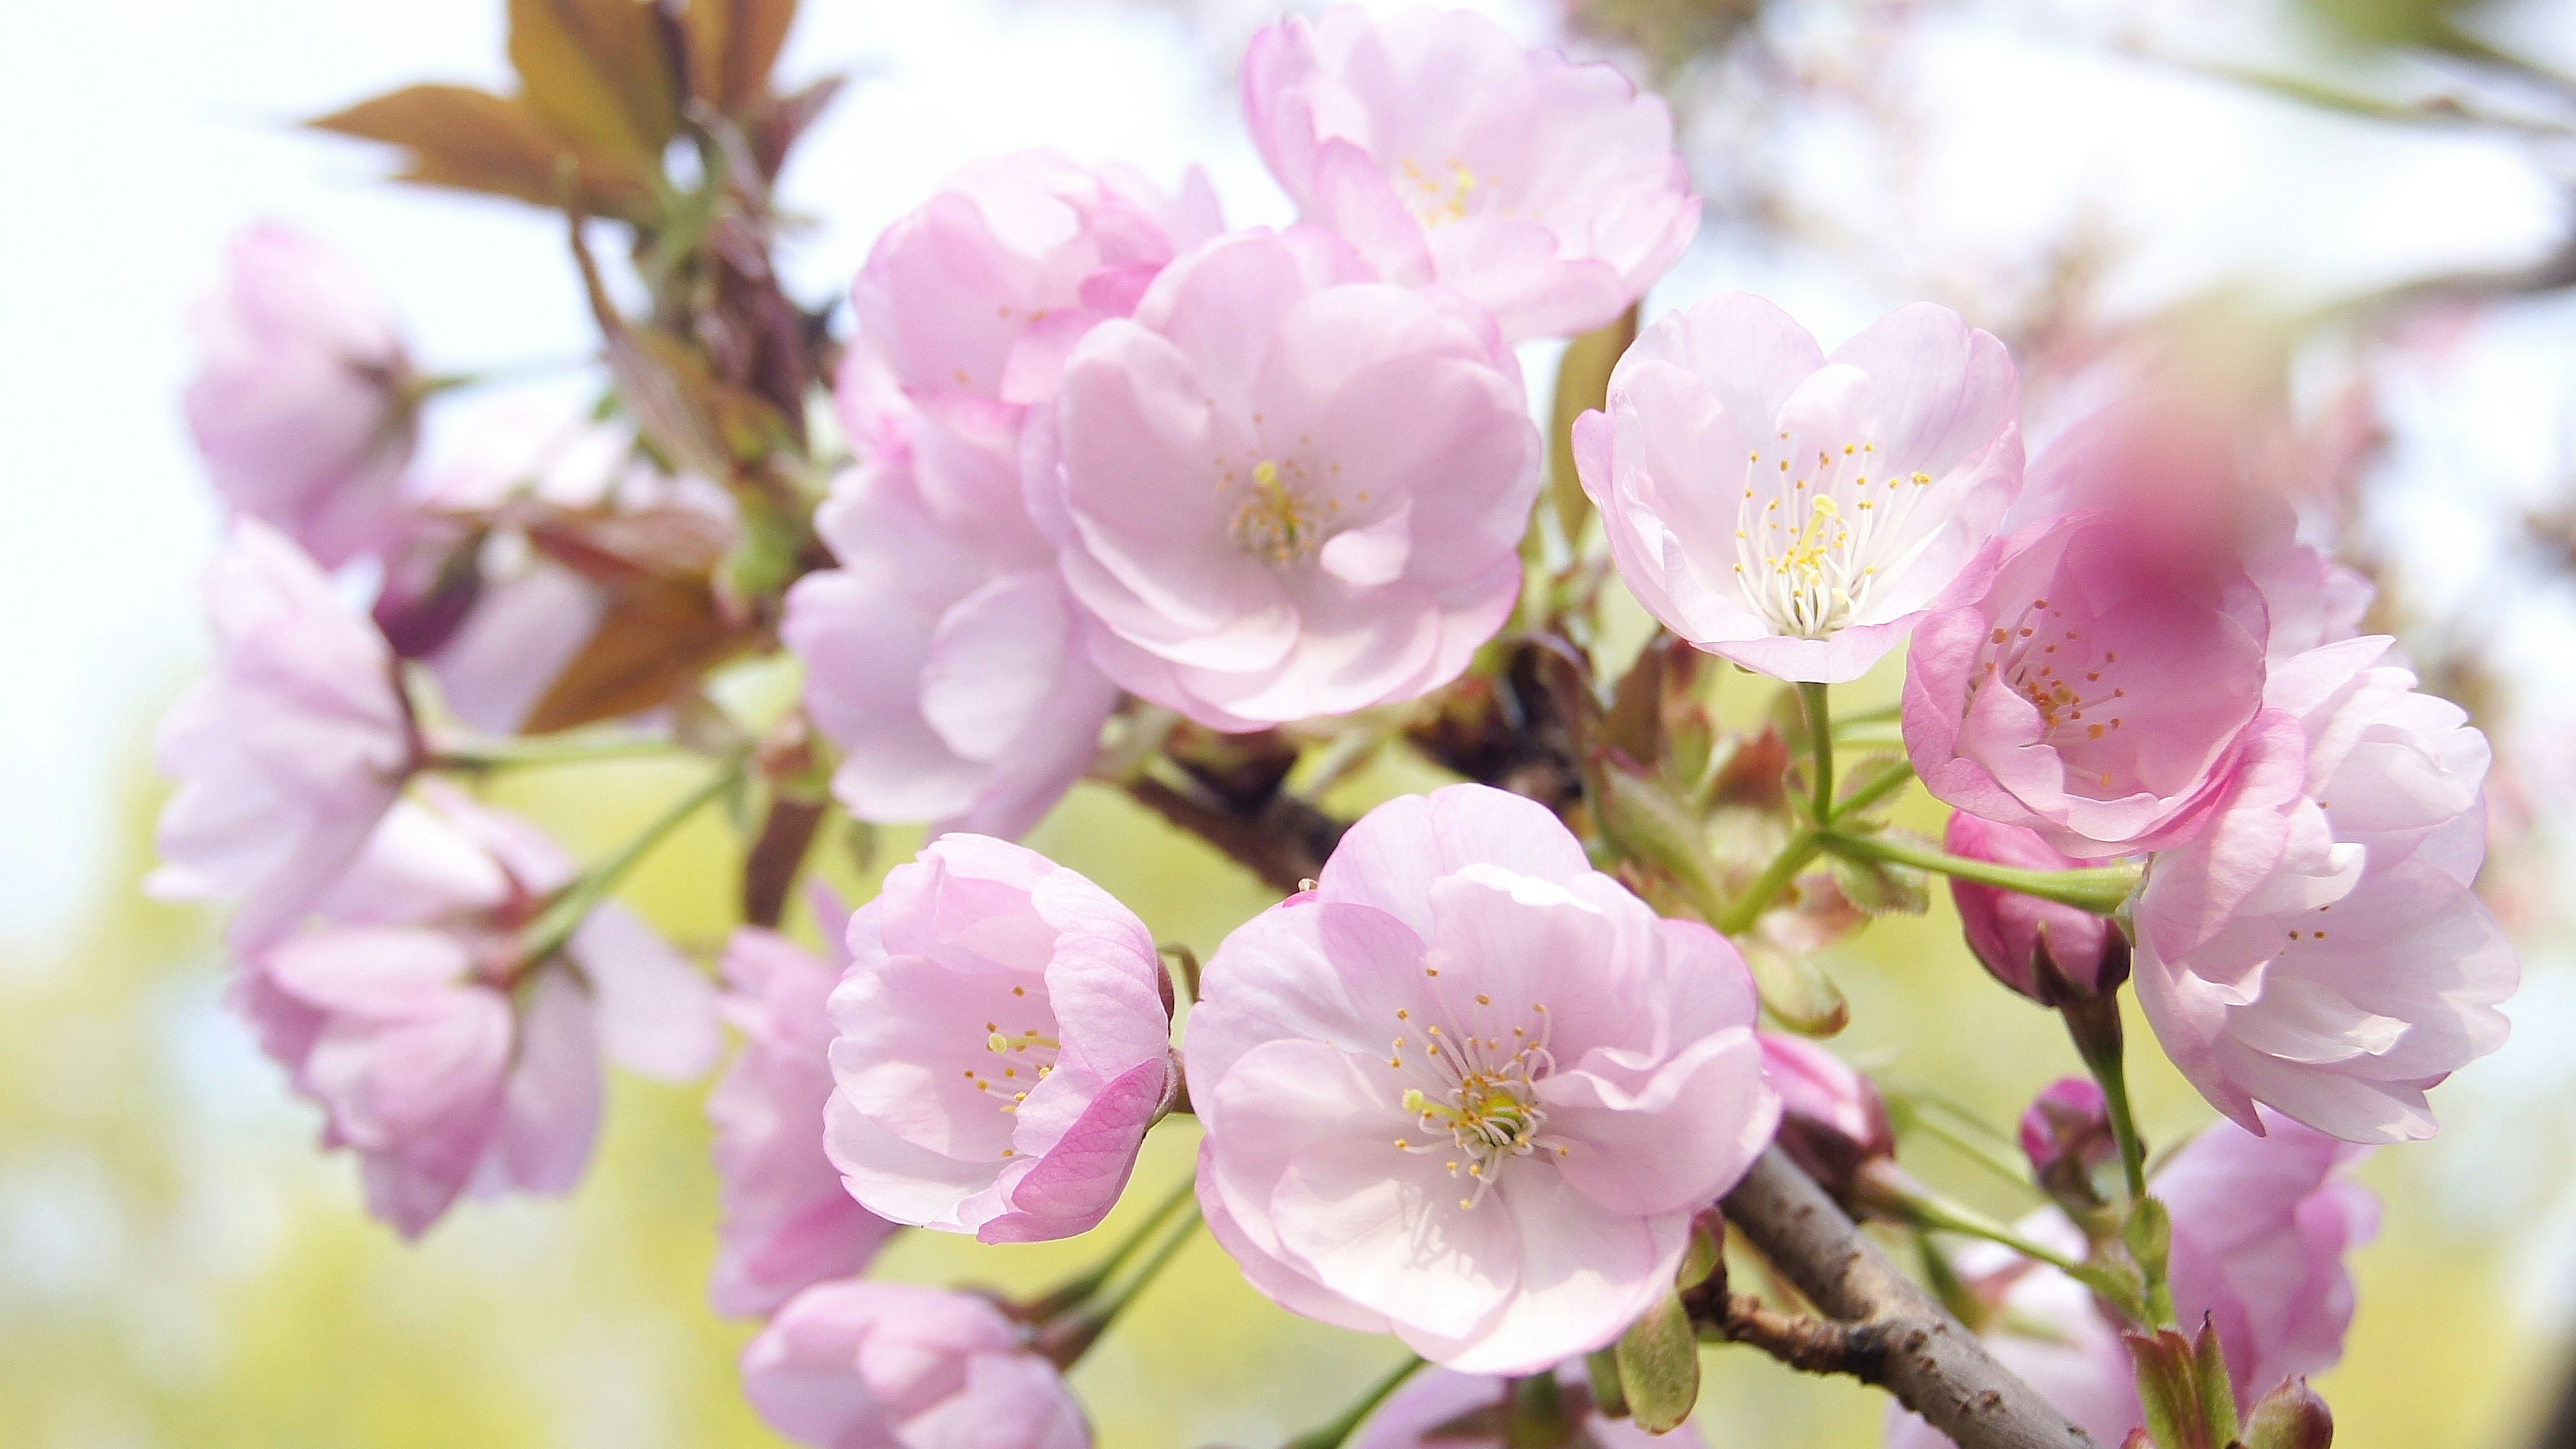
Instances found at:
x=2046 y=951
x=1831 y=1119
x=2066 y=1134
x=2292 y=1416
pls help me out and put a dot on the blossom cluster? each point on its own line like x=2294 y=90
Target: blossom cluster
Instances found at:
x=1121 y=484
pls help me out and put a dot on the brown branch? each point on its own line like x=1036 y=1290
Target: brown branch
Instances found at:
x=1888 y=1331
x=1284 y=840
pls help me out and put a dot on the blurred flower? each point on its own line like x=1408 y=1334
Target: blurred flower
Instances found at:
x=2326 y=956
x=862 y=1365
x=2066 y=1134
x=438 y=1054
x=1831 y=1119
x=2038 y=948
x=788 y=1222
x=290 y=749
x=2261 y=1225
x=1005 y=1041
x=942 y=655
x=1285 y=491
x=1443 y=1409
x=1547 y=191
x=1799 y=569
x=1465 y=1036
x=304 y=406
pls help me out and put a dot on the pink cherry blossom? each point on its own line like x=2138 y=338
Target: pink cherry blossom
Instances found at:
x=1284 y=490
x=2066 y=1133
x=943 y=654
x=1004 y=1043
x=2103 y=691
x=1470 y=1090
x=1444 y=1409
x=788 y=1222
x=446 y=1063
x=288 y=751
x=2261 y=1227
x=855 y=1364
x=1797 y=513
x=2326 y=956
x=300 y=406
x=1548 y=191
x=971 y=302
x=2038 y=948
x=1831 y=1118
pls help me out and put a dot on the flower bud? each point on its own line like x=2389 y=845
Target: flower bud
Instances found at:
x=2046 y=951
x=1832 y=1121
x=2292 y=1416
x=2066 y=1134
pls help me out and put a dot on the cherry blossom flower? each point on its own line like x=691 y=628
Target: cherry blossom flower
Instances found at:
x=943 y=655
x=861 y=1365
x=302 y=407
x=1797 y=513
x=2326 y=956
x=288 y=751
x=971 y=302
x=446 y=1062
x=1548 y=191
x=2261 y=1227
x=1469 y=1090
x=788 y=1222
x=2038 y=948
x=1443 y=1409
x=1283 y=490
x=1004 y=1042
x=2102 y=693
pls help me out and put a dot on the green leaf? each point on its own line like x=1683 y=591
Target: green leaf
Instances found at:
x=595 y=69
x=1582 y=384
x=2209 y=1376
x=1795 y=990
x=1874 y=777
x=2148 y=1235
x=1608 y=1399
x=2164 y=1366
x=1881 y=888
x=1649 y=825
x=1659 y=1367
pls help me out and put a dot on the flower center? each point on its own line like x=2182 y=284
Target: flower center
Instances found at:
x=2059 y=672
x=1480 y=1091
x=1281 y=519
x=1812 y=540
x=1437 y=197
x=1015 y=1062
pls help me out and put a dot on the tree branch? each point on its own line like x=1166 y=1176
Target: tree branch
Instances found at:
x=1284 y=841
x=1888 y=1331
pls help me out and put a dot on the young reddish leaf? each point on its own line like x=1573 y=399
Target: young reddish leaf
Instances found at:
x=470 y=140
x=658 y=635
x=595 y=69
x=1582 y=384
x=754 y=32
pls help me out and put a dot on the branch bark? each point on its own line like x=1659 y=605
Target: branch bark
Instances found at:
x=1284 y=841
x=1891 y=1333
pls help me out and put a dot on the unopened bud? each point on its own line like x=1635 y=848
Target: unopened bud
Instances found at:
x=2066 y=1134
x=2291 y=1417
x=2046 y=951
x=1832 y=1121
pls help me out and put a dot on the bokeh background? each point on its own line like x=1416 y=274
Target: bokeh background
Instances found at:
x=2362 y=206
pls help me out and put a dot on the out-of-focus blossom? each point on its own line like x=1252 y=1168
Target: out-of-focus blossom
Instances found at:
x=438 y=1055
x=788 y=1222
x=1797 y=513
x=288 y=751
x=2326 y=956
x=1283 y=490
x=1469 y=1090
x=1831 y=1119
x=1548 y=191
x=971 y=302
x=1005 y=1040
x=863 y=1365
x=2261 y=1225
x=943 y=655
x=2103 y=692
x=2038 y=948
x=2066 y=1134
x=303 y=406
x=1444 y=1409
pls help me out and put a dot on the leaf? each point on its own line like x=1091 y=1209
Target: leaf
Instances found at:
x=1795 y=990
x=1874 y=773
x=2209 y=1375
x=733 y=45
x=1650 y=826
x=1634 y=725
x=1602 y=1368
x=658 y=635
x=1659 y=1367
x=2164 y=1367
x=1879 y=888
x=596 y=70
x=776 y=125
x=1582 y=385
x=469 y=140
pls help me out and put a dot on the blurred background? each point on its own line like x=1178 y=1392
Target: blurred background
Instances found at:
x=2350 y=218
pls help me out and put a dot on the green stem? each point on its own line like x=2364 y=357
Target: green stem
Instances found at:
x=1971 y=1138
x=1082 y=1287
x=547 y=934
x=1136 y=1284
x=1738 y=918
x=1820 y=744
x=2110 y=1071
x=1873 y=792
x=511 y=754
x=2100 y=889
x=1938 y=1214
x=1331 y=1435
